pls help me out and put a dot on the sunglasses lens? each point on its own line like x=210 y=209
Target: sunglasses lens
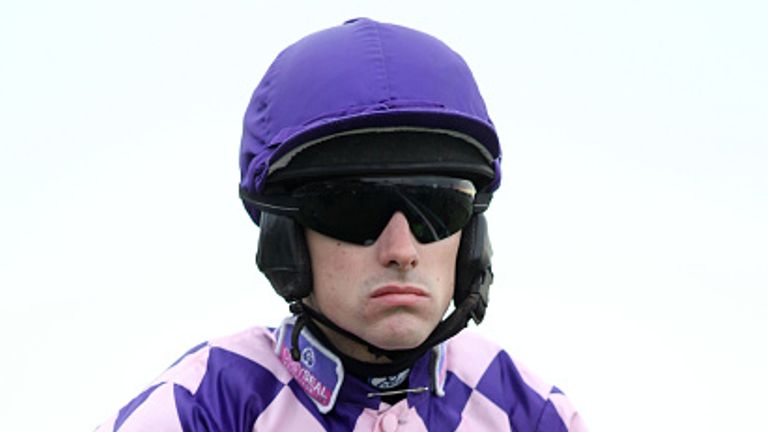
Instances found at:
x=357 y=211
x=434 y=215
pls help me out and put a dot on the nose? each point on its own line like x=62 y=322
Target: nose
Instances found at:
x=396 y=246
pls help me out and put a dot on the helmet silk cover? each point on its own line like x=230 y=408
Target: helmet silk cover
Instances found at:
x=362 y=74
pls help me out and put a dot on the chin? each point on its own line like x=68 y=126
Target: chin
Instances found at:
x=400 y=339
x=398 y=345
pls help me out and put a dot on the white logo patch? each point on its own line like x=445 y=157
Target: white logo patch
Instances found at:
x=308 y=357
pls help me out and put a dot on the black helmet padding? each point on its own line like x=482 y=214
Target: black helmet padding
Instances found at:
x=473 y=266
x=283 y=257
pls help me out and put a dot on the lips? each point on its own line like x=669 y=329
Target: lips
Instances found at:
x=393 y=290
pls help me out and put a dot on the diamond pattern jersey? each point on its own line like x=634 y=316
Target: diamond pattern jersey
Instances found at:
x=248 y=382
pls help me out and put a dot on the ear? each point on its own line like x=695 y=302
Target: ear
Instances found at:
x=473 y=266
x=283 y=256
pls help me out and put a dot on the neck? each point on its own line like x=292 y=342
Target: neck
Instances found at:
x=364 y=365
x=352 y=346
x=344 y=345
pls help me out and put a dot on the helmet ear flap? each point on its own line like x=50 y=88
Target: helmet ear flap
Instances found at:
x=473 y=266
x=283 y=256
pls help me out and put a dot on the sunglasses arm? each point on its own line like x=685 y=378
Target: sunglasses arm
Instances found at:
x=281 y=205
x=482 y=201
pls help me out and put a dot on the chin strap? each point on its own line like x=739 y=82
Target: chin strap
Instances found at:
x=301 y=321
x=449 y=327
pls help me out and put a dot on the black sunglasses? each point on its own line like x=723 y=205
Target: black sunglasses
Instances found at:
x=356 y=210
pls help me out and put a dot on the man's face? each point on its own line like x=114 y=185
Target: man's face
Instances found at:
x=391 y=293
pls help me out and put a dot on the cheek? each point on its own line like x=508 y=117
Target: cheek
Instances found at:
x=333 y=272
x=441 y=263
x=446 y=257
x=331 y=264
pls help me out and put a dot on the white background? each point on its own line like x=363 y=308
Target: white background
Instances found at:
x=630 y=230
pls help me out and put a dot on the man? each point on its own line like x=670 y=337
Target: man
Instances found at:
x=367 y=159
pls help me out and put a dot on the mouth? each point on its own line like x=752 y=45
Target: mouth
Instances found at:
x=394 y=295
